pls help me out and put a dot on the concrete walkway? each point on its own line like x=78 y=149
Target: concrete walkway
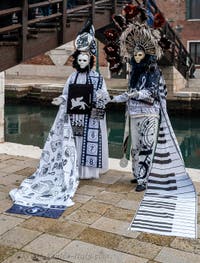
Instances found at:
x=14 y=83
x=94 y=230
x=41 y=90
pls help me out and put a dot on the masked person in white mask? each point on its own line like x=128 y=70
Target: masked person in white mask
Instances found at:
x=85 y=97
x=157 y=163
x=143 y=108
x=76 y=147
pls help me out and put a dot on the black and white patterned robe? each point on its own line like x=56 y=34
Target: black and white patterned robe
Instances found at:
x=92 y=146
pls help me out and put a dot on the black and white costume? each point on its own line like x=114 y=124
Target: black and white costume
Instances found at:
x=169 y=203
x=90 y=133
x=76 y=147
x=143 y=109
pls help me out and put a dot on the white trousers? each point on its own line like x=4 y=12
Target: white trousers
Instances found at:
x=144 y=131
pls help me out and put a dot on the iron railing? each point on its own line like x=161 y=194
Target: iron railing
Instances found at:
x=21 y=20
x=177 y=55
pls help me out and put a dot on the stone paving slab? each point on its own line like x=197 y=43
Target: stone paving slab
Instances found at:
x=109 y=197
x=6 y=252
x=187 y=245
x=3 y=195
x=28 y=171
x=96 y=207
x=14 y=179
x=111 y=179
x=2 y=173
x=100 y=238
x=89 y=190
x=120 y=214
x=79 y=252
x=139 y=248
x=8 y=222
x=46 y=245
x=128 y=204
x=159 y=240
x=94 y=230
x=7 y=187
x=5 y=205
x=114 y=226
x=83 y=216
x=81 y=198
x=55 y=227
x=167 y=255
x=24 y=257
x=18 y=237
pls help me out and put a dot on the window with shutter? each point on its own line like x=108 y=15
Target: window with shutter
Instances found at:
x=193 y=9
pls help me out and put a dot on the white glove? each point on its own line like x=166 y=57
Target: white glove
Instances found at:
x=133 y=94
x=113 y=99
x=57 y=101
x=102 y=98
x=99 y=94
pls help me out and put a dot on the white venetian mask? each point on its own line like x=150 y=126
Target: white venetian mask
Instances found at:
x=139 y=56
x=83 y=60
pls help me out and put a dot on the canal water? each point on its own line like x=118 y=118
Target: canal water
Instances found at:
x=30 y=125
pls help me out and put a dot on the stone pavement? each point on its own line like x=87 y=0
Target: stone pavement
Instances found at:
x=94 y=230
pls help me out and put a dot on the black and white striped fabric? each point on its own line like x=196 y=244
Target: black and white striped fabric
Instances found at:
x=169 y=203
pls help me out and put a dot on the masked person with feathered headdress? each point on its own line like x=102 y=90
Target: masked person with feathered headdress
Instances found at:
x=169 y=203
x=139 y=45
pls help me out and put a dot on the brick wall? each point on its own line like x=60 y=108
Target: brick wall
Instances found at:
x=175 y=12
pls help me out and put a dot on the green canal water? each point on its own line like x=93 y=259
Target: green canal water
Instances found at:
x=30 y=124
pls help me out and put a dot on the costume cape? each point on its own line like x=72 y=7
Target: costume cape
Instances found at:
x=49 y=190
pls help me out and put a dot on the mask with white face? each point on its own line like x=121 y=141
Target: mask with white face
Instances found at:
x=83 y=60
x=139 y=56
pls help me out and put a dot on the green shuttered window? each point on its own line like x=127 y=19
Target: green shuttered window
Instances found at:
x=192 y=9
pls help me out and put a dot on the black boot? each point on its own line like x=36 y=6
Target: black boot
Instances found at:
x=140 y=187
x=134 y=181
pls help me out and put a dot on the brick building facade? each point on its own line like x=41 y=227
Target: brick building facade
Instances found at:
x=184 y=17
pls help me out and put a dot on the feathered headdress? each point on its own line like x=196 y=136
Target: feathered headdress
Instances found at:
x=131 y=30
x=140 y=35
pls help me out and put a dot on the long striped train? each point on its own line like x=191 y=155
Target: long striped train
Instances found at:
x=169 y=203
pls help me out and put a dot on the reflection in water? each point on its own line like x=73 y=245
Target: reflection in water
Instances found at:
x=31 y=124
x=28 y=124
x=187 y=130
